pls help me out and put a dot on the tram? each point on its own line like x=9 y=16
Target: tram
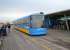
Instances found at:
x=32 y=24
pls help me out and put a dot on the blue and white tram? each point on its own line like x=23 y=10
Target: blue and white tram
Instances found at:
x=33 y=25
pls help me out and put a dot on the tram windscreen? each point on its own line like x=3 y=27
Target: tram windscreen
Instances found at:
x=37 y=20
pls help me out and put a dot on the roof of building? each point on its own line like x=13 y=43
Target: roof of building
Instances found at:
x=60 y=13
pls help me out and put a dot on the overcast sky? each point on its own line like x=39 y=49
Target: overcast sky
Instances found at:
x=12 y=9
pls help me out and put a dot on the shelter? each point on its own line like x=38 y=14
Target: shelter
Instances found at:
x=60 y=20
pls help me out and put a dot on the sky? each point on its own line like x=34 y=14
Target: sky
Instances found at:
x=13 y=9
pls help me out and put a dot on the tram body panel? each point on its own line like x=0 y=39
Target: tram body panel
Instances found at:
x=33 y=31
x=38 y=31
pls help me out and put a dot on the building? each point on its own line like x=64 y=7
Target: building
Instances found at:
x=58 y=20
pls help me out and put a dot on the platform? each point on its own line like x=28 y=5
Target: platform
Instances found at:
x=19 y=41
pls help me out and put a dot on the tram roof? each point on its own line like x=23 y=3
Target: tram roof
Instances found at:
x=41 y=13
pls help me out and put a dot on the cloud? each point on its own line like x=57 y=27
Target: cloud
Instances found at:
x=57 y=5
x=12 y=9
